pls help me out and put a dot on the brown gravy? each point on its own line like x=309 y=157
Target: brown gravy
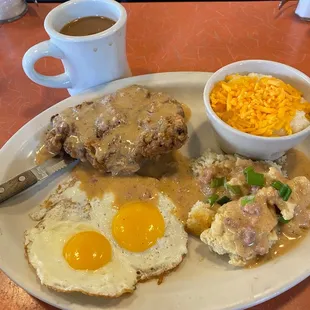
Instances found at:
x=42 y=155
x=297 y=164
x=187 y=112
x=171 y=175
x=175 y=180
x=282 y=246
x=86 y=26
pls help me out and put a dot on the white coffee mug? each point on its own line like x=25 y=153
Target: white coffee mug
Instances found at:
x=303 y=9
x=88 y=60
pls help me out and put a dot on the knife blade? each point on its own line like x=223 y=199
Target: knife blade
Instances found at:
x=32 y=176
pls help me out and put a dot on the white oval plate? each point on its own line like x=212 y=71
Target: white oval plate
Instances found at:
x=203 y=281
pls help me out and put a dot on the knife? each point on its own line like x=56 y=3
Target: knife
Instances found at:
x=30 y=177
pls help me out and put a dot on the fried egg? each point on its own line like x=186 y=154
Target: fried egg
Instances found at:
x=75 y=256
x=97 y=248
x=151 y=238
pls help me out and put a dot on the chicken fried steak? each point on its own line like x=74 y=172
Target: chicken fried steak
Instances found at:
x=117 y=132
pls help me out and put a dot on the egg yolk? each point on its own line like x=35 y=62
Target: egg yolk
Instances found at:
x=87 y=250
x=137 y=226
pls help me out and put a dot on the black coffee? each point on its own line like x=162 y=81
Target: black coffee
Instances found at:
x=86 y=26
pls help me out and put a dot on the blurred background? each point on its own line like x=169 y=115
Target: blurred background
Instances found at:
x=45 y=1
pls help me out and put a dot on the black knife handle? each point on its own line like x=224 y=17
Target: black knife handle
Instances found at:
x=17 y=185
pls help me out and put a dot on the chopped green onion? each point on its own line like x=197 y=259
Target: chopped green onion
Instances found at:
x=234 y=189
x=211 y=200
x=285 y=192
x=277 y=185
x=287 y=195
x=217 y=182
x=247 y=199
x=282 y=220
x=254 y=178
x=248 y=169
x=223 y=200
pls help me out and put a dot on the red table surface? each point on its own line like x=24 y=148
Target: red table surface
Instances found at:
x=161 y=37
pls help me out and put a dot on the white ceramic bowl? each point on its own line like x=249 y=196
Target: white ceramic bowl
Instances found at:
x=234 y=141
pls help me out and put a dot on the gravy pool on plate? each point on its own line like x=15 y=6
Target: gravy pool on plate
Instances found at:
x=171 y=174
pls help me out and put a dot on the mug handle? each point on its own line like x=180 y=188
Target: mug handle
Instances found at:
x=45 y=49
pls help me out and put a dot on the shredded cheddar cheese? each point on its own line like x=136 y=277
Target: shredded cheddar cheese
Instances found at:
x=262 y=106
